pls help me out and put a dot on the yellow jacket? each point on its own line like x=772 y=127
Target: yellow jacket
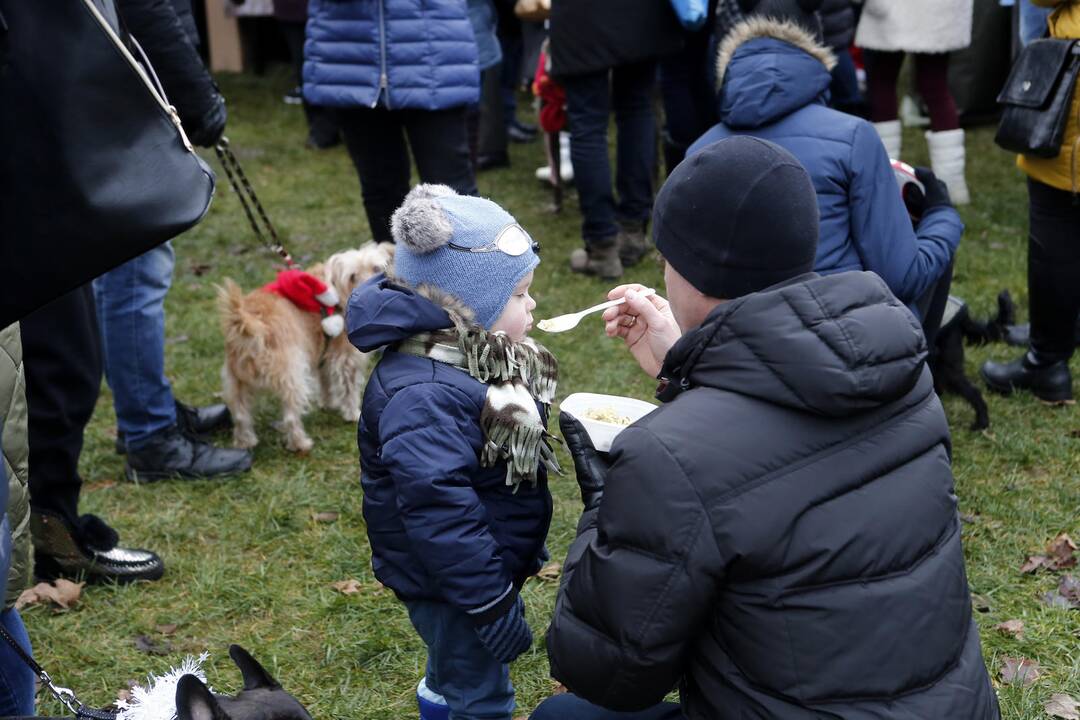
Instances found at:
x=1062 y=171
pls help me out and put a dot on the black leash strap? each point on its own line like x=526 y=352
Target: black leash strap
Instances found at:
x=249 y=199
x=64 y=695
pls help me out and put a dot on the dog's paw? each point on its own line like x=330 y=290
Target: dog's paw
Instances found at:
x=245 y=440
x=299 y=444
x=350 y=415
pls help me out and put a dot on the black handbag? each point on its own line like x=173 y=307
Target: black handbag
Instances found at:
x=95 y=167
x=1037 y=97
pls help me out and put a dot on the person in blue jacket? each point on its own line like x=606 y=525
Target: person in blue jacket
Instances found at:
x=773 y=75
x=454 y=449
x=394 y=69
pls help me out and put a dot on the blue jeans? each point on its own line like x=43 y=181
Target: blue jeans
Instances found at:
x=1032 y=21
x=590 y=99
x=16 y=677
x=570 y=707
x=131 y=314
x=476 y=685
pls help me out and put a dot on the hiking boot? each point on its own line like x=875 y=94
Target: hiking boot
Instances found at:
x=89 y=552
x=195 y=422
x=171 y=454
x=1050 y=381
x=632 y=242
x=601 y=262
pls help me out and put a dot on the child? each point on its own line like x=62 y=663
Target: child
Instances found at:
x=453 y=443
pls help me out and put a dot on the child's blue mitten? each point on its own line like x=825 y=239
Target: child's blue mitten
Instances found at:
x=508 y=635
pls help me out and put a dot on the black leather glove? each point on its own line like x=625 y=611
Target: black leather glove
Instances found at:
x=591 y=466
x=211 y=125
x=936 y=191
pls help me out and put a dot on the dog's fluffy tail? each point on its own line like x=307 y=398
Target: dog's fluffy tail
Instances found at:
x=240 y=326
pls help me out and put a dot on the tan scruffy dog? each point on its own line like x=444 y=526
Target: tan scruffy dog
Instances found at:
x=273 y=345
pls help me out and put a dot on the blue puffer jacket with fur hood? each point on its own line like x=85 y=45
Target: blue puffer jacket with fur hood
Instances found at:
x=421 y=52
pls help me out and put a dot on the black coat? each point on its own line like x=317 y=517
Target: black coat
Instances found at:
x=163 y=29
x=838 y=23
x=593 y=35
x=781 y=539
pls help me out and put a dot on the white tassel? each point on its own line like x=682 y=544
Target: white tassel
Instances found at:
x=157 y=701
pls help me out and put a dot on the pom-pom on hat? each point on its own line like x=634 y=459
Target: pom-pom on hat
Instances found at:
x=466 y=246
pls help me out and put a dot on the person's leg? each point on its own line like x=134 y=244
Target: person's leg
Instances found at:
x=474 y=684
x=932 y=82
x=1032 y=21
x=844 y=89
x=632 y=97
x=438 y=142
x=131 y=314
x=932 y=306
x=882 y=74
x=570 y=707
x=1054 y=297
x=16 y=677
x=62 y=361
x=376 y=144
x=493 y=142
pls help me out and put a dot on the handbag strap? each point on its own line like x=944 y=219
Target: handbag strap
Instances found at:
x=248 y=198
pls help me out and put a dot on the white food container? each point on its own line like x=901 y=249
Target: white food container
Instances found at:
x=603 y=433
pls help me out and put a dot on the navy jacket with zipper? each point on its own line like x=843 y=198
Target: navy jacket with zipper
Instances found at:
x=441 y=527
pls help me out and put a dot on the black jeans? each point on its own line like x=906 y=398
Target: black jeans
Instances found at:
x=590 y=99
x=322 y=122
x=62 y=360
x=1053 y=269
x=687 y=81
x=375 y=138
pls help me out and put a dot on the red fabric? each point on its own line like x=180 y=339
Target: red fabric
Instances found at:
x=552 y=97
x=300 y=288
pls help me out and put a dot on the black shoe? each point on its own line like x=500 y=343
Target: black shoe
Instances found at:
x=1049 y=381
x=294 y=97
x=88 y=553
x=490 y=162
x=195 y=422
x=516 y=134
x=170 y=453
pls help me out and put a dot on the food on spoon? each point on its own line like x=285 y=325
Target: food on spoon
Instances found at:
x=608 y=415
x=547 y=325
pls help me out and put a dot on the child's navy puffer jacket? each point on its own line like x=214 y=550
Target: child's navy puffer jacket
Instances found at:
x=441 y=527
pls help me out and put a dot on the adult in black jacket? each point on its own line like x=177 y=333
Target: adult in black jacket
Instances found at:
x=605 y=52
x=780 y=539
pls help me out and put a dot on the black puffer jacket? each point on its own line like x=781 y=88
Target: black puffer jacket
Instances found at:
x=593 y=35
x=781 y=539
x=838 y=23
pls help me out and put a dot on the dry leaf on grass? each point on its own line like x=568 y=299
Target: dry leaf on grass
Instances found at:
x=346 y=587
x=1066 y=595
x=981 y=603
x=550 y=572
x=102 y=485
x=62 y=593
x=1019 y=671
x=168 y=629
x=1012 y=628
x=1060 y=554
x=327 y=516
x=1063 y=706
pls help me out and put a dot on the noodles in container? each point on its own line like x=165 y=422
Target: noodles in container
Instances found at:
x=605 y=416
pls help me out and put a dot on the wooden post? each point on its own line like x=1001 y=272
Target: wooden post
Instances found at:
x=224 y=38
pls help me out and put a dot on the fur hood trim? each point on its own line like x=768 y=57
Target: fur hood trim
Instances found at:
x=438 y=296
x=767 y=27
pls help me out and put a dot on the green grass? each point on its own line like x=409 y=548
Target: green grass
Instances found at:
x=246 y=563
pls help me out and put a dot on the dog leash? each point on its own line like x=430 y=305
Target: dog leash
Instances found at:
x=249 y=199
x=63 y=694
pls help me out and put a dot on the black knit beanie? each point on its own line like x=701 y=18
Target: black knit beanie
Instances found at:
x=737 y=217
x=800 y=12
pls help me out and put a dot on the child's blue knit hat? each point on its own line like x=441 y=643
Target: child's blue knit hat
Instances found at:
x=466 y=246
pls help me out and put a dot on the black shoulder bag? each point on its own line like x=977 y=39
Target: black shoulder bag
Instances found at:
x=95 y=168
x=1037 y=97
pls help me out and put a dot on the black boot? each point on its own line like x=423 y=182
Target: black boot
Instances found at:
x=195 y=422
x=1048 y=379
x=632 y=241
x=88 y=552
x=171 y=453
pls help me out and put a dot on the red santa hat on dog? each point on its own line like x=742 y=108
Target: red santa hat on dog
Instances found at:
x=309 y=293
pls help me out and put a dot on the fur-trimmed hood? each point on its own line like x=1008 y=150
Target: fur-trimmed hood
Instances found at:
x=767 y=69
x=384 y=311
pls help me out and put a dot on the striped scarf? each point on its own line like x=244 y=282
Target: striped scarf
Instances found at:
x=518 y=375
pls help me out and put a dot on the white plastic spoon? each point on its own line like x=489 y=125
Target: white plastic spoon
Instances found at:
x=562 y=323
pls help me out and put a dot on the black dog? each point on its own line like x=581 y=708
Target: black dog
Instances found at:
x=261 y=699
x=947 y=355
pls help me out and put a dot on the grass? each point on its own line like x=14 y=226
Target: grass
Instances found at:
x=247 y=563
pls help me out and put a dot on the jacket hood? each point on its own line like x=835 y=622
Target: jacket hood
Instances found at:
x=826 y=345
x=384 y=311
x=767 y=69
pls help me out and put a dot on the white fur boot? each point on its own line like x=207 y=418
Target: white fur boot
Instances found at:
x=947 y=159
x=890 y=134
